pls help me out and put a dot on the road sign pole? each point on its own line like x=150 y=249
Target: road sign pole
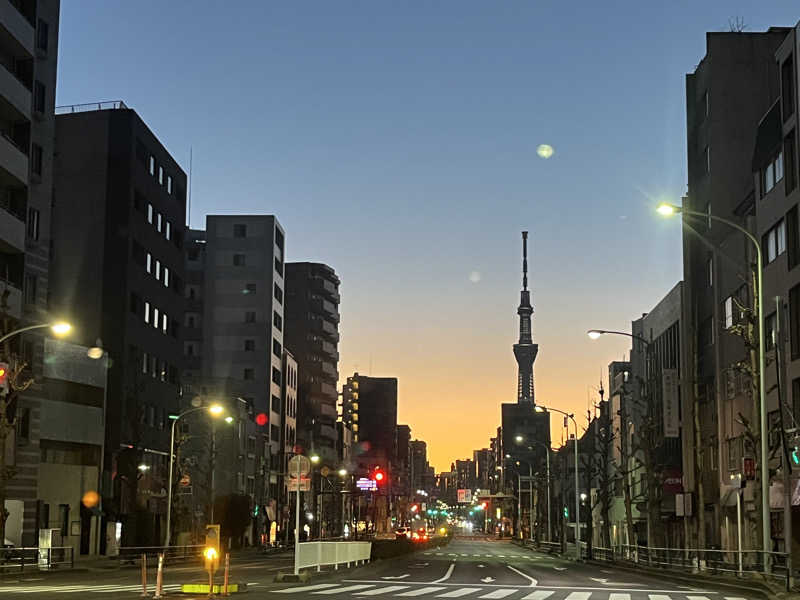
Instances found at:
x=297 y=525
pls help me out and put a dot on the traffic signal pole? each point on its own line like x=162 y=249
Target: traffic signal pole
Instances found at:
x=297 y=525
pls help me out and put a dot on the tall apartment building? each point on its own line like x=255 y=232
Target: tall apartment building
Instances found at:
x=482 y=460
x=402 y=485
x=288 y=419
x=117 y=272
x=312 y=334
x=370 y=405
x=233 y=349
x=727 y=95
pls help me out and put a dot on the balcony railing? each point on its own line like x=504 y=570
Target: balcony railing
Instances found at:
x=91 y=106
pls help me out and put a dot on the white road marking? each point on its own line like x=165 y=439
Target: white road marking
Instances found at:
x=661 y=597
x=349 y=588
x=578 y=596
x=734 y=598
x=697 y=597
x=538 y=595
x=528 y=577
x=487 y=579
x=385 y=590
x=421 y=591
x=396 y=576
x=498 y=594
x=306 y=588
x=619 y=597
x=459 y=592
x=446 y=575
x=598 y=580
x=560 y=568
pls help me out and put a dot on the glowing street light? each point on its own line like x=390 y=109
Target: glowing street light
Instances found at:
x=314 y=458
x=518 y=439
x=59 y=328
x=342 y=472
x=216 y=409
x=229 y=419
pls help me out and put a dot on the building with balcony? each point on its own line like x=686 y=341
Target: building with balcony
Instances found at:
x=28 y=63
x=117 y=272
x=312 y=335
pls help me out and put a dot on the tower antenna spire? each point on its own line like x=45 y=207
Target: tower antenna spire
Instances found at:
x=524 y=260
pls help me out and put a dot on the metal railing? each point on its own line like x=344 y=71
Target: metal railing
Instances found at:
x=319 y=554
x=130 y=555
x=90 y=106
x=18 y=560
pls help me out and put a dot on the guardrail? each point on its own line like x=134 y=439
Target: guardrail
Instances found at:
x=319 y=554
x=18 y=560
x=131 y=554
x=90 y=106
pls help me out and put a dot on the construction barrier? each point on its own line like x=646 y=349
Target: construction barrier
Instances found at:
x=319 y=554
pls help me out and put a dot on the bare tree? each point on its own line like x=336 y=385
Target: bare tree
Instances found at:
x=736 y=24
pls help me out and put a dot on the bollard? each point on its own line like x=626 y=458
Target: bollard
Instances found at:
x=160 y=577
x=144 y=576
x=227 y=568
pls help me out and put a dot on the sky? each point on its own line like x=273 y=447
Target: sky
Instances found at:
x=397 y=142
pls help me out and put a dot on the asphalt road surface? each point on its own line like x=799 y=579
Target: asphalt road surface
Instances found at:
x=466 y=568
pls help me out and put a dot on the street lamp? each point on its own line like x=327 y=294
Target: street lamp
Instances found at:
x=540 y=408
x=214 y=410
x=666 y=209
x=58 y=328
x=547 y=455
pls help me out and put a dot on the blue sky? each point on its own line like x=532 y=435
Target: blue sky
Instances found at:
x=397 y=143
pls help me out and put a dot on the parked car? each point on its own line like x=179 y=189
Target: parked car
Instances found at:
x=402 y=533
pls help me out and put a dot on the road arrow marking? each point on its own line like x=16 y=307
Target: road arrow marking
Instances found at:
x=487 y=579
x=560 y=568
x=598 y=580
x=481 y=566
x=395 y=576
x=528 y=577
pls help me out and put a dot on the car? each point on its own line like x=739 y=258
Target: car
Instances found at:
x=420 y=535
x=402 y=533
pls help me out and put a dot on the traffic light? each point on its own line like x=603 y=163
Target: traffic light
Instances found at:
x=566 y=512
x=484 y=505
x=212 y=560
x=262 y=419
x=3 y=378
x=796 y=455
x=378 y=475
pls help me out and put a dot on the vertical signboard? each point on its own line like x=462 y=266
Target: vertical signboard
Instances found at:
x=669 y=397
x=464 y=496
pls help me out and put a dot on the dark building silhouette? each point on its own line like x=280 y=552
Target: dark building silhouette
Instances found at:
x=312 y=335
x=118 y=273
x=419 y=463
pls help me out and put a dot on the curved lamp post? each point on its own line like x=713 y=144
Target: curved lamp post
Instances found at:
x=540 y=408
x=214 y=410
x=669 y=210
x=58 y=328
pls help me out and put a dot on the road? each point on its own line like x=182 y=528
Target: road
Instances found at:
x=467 y=568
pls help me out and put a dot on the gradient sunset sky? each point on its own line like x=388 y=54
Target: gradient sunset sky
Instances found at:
x=397 y=143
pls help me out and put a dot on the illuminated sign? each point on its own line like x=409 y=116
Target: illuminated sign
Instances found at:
x=367 y=484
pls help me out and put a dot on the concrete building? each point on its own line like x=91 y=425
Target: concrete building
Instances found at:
x=29 y=53
x=419 y=462
x=118 y=272
x=727 y=95
x=482 y=460
x=312 y=334
x=401 y=485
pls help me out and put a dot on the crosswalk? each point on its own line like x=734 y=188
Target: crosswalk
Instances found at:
x=489 y=555
x=488 y=592
x=83 y=588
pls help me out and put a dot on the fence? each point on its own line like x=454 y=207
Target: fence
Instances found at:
x=319 y=554
x=74 y=108
x=131 y=554
x=18 y=560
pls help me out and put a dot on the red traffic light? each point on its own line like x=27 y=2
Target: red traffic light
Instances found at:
x=262 y=419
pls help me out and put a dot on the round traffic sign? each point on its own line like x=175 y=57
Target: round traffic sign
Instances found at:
x=299 y=465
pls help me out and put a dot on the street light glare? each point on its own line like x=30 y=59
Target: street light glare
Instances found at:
x=342 y=472
x=229 y=419
x=215 y=409
x=315 y=459
x=61 y=328
x=594 y=334
x=539 y=408
x=518 y=439
x=667 y=210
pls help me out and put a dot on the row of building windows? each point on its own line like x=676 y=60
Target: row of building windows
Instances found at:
x=155 y=367
x=155 y=169
x=152 y=316
x=157 y=219
x=155 y=267
x=153 y=416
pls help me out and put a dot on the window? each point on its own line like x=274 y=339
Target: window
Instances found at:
x=36 y=158
x=279 y=239
x=42 y=35
x=164 y=322
x=145 y=362
x=149 y=213
x=251 y=444
x=278 y=293
x=33 y=224
x=277 y=321
x=275 y=433
x=770 y=323
x=169 y=184
x=160 y=175
x=39 y=92
x=278 y=267
x=152 y=165
x=276 y=347
x=238 y=260
x=773 y=242
x=735 y=454
x=772 y=173
x=249 y=374
x=239 y=231
x=168 y=230
x=30 y=288
x=276 y=376
x=794 y=321
x=63 y=519
x=158 y=270
x=792 y=237
x=166 y=277
x=189 y=349
x=790 y=180
x=729 y=312
x=148 y=263
x=787 y=87
x=276 y=404
x=250 y=288
x=250 y=316
x=146 y=312
x=159 y=220
x=155 y=318
x=249 y=345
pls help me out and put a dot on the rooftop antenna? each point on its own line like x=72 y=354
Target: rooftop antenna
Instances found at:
x=524 y=260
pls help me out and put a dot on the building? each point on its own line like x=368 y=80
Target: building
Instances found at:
x=29 y=52
x=482 y=460
x=288 y=439
x=465 y=475
x=242 y=357
x=727 y=96
x=312 y=334
x=419 y=463
x=402 y=471
x=118 y=271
